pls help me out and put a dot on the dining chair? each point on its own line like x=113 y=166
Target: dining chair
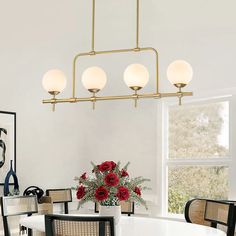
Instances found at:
x=60 y=196
x=17 y=205
x=222 y=213
x=195 y=210
x=57 y=225
x=126 y=208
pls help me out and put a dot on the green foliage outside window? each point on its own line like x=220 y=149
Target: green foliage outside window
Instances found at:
x=191 y=182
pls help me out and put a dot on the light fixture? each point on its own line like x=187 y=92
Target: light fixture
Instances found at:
x=54 y=81
x=94 y=79
x=136 y=75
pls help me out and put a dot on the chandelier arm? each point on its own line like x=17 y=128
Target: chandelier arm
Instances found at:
x=122 y=97
x=93 y=53
x=115 y=51
x=157 y=61
x=93 y=26
x=74 y=70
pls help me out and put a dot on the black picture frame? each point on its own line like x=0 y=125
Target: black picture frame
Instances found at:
x=7 y=138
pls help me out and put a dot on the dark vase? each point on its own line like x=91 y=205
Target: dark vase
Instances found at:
x=7 y=183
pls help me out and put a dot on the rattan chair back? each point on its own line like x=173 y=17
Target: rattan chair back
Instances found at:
x=195 y=211
x=64 y=225
x=221 y=212
x=60 y=196
x=17 y=205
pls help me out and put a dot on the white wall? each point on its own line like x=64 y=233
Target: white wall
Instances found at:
x=39 y=35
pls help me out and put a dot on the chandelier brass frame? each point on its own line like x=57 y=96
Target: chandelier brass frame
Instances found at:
x=179 y=94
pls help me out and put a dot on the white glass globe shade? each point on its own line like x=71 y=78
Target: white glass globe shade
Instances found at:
x=136 y=75
x=54 y=81
x=94 y=78
x=179 y=72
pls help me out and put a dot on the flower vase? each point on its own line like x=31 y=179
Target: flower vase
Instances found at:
x=114 y=211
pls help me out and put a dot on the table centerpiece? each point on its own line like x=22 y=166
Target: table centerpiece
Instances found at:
x=109 y=186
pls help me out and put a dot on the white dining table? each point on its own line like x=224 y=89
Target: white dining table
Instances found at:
x=141 y=226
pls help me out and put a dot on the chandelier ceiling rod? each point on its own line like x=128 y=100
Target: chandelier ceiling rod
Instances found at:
x=93 y=24
x=137 y=25
x=93 y=27
x=51 y=76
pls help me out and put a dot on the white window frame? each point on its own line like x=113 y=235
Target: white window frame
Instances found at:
x=162 y=154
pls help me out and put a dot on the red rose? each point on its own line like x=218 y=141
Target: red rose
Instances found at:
x=113 y=165
x=80 y=192
x=105 y=166
x=111 y=179
x=124 y=173
x=137 y=191
x=122 y=193
x=101 y=193
x=83 y=176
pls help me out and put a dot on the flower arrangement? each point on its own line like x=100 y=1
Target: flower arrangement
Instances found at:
x=109 y=185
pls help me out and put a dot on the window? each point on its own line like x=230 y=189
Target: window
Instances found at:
x=197 y=154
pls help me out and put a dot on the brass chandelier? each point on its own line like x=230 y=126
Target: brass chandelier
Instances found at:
x=136 y=76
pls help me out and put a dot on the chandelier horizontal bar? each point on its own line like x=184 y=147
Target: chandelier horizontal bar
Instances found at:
x=122 y=97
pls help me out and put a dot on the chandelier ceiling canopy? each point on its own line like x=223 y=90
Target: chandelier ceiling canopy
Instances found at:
x=136 y=76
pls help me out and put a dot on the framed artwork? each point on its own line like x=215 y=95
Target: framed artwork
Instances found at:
x=7 y=143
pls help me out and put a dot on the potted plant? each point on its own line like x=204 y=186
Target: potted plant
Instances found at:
x=108 y=186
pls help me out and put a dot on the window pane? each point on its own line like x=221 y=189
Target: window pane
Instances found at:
x=185 y=182
x=199 y=131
